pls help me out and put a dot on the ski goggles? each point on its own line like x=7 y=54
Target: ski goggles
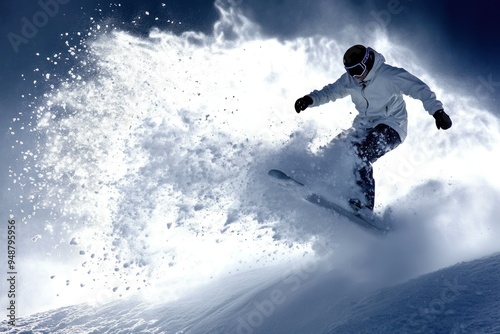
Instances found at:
x=359 y=70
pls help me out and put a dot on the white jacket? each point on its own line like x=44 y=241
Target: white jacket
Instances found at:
x=378 y=98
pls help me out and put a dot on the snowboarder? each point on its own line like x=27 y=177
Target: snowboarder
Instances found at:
x=376 y=89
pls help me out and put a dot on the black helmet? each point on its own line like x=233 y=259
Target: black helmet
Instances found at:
x=354 y=55
x=358 y=61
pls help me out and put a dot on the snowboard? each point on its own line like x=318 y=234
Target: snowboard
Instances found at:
x=369 y=221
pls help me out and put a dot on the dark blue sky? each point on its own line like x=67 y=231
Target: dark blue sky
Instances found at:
x=457 y=36
x=18 y=54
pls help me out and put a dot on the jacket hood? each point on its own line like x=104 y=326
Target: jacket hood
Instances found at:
x=378 y=61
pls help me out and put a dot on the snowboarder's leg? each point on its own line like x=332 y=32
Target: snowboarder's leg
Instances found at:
x=365 y=180
x=378 y=141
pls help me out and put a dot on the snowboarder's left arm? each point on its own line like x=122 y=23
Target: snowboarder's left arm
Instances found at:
x=410 y=85
x=443 y=121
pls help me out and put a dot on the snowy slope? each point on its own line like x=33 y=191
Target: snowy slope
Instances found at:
x=463 y=298
x=143 y=192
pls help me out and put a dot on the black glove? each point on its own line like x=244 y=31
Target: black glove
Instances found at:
x=303 y=103
x=443 y=121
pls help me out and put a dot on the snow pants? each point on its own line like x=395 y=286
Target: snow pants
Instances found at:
x=377 y=142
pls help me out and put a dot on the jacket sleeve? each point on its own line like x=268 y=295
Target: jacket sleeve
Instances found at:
x=329 y=93
x=408 y=84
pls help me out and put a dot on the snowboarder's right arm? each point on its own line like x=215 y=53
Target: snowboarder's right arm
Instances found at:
x=329 y=93
x=302 y=103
